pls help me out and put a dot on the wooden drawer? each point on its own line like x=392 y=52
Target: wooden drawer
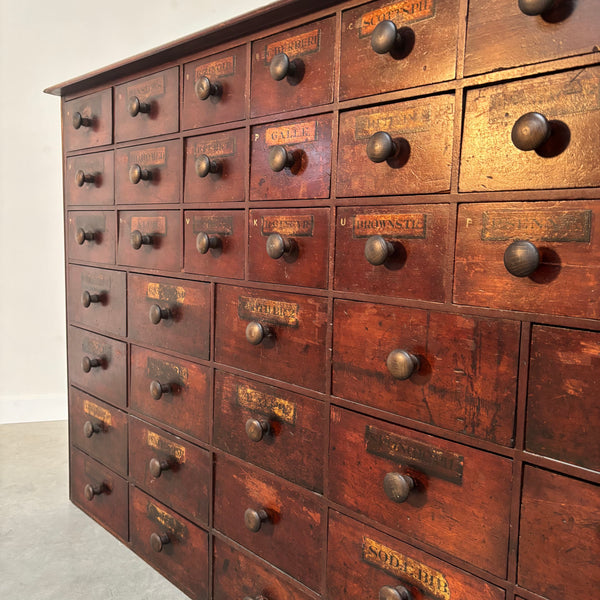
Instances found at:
x=99 y=430
x=222 y=98
x=460 y=502
x=87 y=121
x=293 y=69
x=362 y=561
x=289 y=246
x=277 y=430
x=91 y=236
x=305 y=146
x=216 y=166
x=188 y=305
x=148 y=174
x=426 y=52
x=558 y=540
x=150 y=239
x=171 y=544
x=97 y=299
x=569 y=102
x=415 y=264
x=171 y=390
x=292 y=536
x=292 y=326
x=393 y=149
x=566 y=236
x=98 y=365
x=100 y=493
x=463 y=379
x=90 y=179
x=148 y=106
x=562 y=403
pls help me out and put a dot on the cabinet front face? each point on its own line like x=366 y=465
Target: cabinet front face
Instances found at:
x=87 y=121
x=91 y=236
x=90 y=179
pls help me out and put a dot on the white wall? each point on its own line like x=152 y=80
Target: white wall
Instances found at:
x=42 y=43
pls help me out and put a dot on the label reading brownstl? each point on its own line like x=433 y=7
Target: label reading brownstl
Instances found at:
x=267 y=404
x=391 y=225
x=93 y=410
x=411 y=119
x=148 y=88
x=148 y=156
x=149 y=225
x=408 y=11
x=168 y=371
x=298 y=45
x=297 y=133
x=166 y=293
x=166 y=446
x=166 y=521
x=269 y=311
x=215 y=224
x=216 y=148
x=299 y=226
x=224 y=67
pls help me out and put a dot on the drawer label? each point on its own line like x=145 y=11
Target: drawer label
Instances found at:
x=168 y=371
x=266 y=404
x=151 y=87
x=408 y=11
x=90 y=221
x=96 y=281
x=149 y=156
x=270 y=311
x=412 y=453
x=96 y=349
x=298 y=45
x=166 y=293
x=393 y=225
x=404 y=567
x=301 y=226
x=93 y=410
x=93 y=163
x=171 y=524
x=292 y=134
x=411 y=119
x=220 y=224
x=149 y=225
x=163 y=445
x=537 y=225
x=224 y=67
x=214 y=148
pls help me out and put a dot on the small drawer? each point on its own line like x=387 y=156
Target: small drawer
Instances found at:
x=393 y=251
x=99 y=430
x=452 y=371
x=90 y=179
x=172 y=470
x=215 y=243
x=150 y=239
x=91 y=236
x=100 y=493
x=266 y=332
x=97 y=299
x=443 y=494
x=558 y=536
x=530 y=256
x=280 y=522
x=529 y=134
x=216 y=166
x=98 y=365
x=291 y=159
x=214 y=89
x=87 y=121
x=293 y=69
x=148 y=106
x=397 y=45
x=148 y=174
x=277 y=430
x=171 y=544
x=170 y=313
x=289 y=246
x=402 y=148
x=171 y=390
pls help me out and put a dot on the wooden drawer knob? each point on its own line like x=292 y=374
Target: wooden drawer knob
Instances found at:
x=277 y=245
x=401 y=364
x=530 y=131
x=136 y=106
x=381 y=147
x=204 y=165
x=398 y=592
x=80 y=121
x=89 y=491
x=253 y=519
x=206 y=242
x=521 y=258
x=137 y=174
x=157 y=466
x=89 y=429
x=82 y=236
x=378 y=250
x=256 y=429
x=256 y=332
x=281 y=67
x=280 y=158
x=386 y=37
x=81 y=178
x=138 y=239
x=204 y=88
x=397 y=487
x=158 y=314
x=532 y=8
x=88 y=299
x=158 y=541
x=87 y=363
x=157 y=389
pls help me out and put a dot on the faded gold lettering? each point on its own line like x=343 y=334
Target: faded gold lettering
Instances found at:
x=163 y=445
x=410 y=119
x=145 y=89
x=167 y=293
x=214 y=148
x=270 y=311
x=170 y=523
x=149 y=156
x=270 y=405
x=408 y=11
x=292 y=134
x=147 y=225
x=298 y=45
x=300 y=226
x=392 y=225
x=89 y=408
x=217 y=69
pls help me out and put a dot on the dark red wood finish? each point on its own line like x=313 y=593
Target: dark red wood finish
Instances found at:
x=102 y=247
x=100 y=191
x=97 y=108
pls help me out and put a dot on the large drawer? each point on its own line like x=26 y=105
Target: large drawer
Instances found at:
x=92 y=236
x=88 y=121
x=90 y=179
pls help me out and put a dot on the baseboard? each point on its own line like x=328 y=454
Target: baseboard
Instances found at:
x=27 y=409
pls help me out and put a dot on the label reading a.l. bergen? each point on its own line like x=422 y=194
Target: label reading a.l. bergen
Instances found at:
x=96 y=280
x=401 y=13
x=297 y=133
x=215 y=224
x=93 y=410
x=163 y=445
x=391 y=225
x=166 y=293
x=410 y=119
x=267 y=404
x=404 y=567
x=299 y=226
x=148 y=157
x=269 y=311
x=149 y=225
x=224 y=67
x=215 y=148
x=298 y=45
x=150 y=88
x=164 y=519
x=162 y=369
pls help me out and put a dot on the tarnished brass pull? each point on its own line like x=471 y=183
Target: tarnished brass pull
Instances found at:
x=137 y=174
x=521 y=258
x=90 y=490
x=280 y=158
x=532 y=8
x=158 y=541
x=378 y=250
x=530 y=131
x=204 y=165
x=277 y=245
x=87 y=299
x=401 y=364
x=253 y=519
x=281 y=67
x=89 y=429
x=87 y=363
x=256 y=429
x=157 y=466
x=82 y=236
x=80 y=121
x=158 y=314
x=397 y=487
x=205 y=242
x=136 y=106
x=157 y=389
x=381 y=147
x=398 y=592
x=256 y=332
x=81 y=178
x=138 y=239
x=386 y=37
x=205 y=88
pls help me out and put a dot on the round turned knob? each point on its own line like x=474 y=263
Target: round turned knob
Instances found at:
x=532 y=8
x=401 y=364
x=397 y=487
x=385 y=37
x=158 y=540
x=277 y=245
x=89 y=429
x=381 y=147
x=90 y=490
x=521 y=258
x=281 y=67
x=204 y=165
x=530 y=131
x=138 y=239
x=157 y=314
x=82 y=236
x=256 y=429
x=136 y=106
x=394 y=593
x=204 y=88
x=87 y=363
x=378 y=250
x=137 y=174
x=253 y=519
x=81 y=178
x=256 y=332
x=280 y=158
x=205 y=242
x=157 y=389
x=80 y=121
x=157 y=466
x=87 y=298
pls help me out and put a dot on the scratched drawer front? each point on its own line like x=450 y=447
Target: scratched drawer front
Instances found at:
x=185 y=328
x=99 y=430
x=148 y=174
x=293 y=436
x=293 y=536
x=183 y=559
x=100 y=228
x=426 y=54
x=420 y=162
x=87 y=121
x=297 y=325
x=309 y=143
x=98 y=365
x=567 y=238
x=414 y=266
x=159 y=94
x=464 y=377
x=171 y=390
x=460 y=502
x=97 y=299
x=90 y=179
x=161 y=246
x=558 y=536
x=305 y=234
x=309 y=50
x=362 y=560
x=108 y=493
x=570 y=101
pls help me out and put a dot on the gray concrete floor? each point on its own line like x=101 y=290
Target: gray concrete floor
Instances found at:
x=49 y=549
